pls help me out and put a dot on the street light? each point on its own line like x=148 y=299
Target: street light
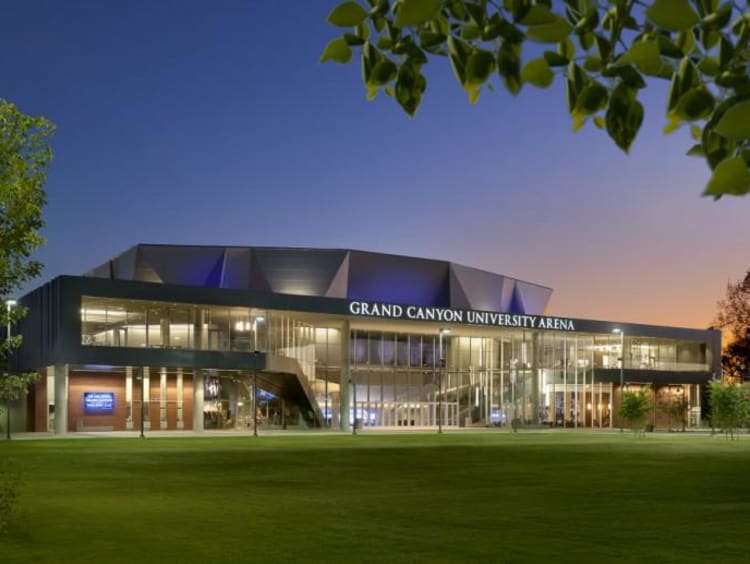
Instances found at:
x=622 y=365
x=9 y=304
x=443 y=331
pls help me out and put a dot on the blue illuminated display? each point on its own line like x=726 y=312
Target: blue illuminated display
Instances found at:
x=98 y=403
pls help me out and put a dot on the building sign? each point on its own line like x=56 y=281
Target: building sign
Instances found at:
x=98 y=403
x=465 y=316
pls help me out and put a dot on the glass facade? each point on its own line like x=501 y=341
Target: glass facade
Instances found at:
x=399 y=377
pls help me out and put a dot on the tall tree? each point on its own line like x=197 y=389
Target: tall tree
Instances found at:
x=25 y=155
x=730 y=406
x=733 y=316
x=605 y=51
x=634 y=409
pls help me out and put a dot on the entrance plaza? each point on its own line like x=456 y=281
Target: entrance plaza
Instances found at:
x=175 y=338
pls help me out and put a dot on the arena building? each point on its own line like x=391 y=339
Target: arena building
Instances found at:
x=190 y=337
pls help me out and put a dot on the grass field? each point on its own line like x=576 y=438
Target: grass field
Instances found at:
x=485 y=497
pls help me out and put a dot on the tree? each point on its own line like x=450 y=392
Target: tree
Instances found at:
x=730 y=406
x=605 y=51
x=733 y=316
x=25 y=155
x=634 y=409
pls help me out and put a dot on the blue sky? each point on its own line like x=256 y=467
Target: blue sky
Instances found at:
x=213 y=123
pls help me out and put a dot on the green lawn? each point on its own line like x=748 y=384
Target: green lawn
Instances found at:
x=458 y=497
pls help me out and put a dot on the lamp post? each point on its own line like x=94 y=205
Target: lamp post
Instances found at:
x=622 y=365
x=443 y=331
x=9 y=304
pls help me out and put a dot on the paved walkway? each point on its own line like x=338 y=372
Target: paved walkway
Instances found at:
x=318 y=432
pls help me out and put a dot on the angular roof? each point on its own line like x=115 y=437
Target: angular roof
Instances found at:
x=333 y=273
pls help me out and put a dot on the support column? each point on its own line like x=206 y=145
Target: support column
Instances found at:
x=199 y=336
x=61 y=398
x=233 y=402
x=180 y=412
x=198 y=400
x=346 y=374
x=146 y=398
x=163 y=398
x=129 y=397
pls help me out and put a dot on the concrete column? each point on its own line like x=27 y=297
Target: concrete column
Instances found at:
x=146 y=398
x=163 y=398
x=233 y=402
x=198 y=400
x=164 y=332
x=50 y=376
x=345 y=377
x=129 y=396
x=536 y=376
x=61 y=398
x=198 y=334
x=180 y=412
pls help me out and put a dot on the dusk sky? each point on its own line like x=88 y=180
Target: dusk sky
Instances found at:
x=197 y=122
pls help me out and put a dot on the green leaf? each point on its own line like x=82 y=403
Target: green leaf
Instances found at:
x=538 y=73
x=382 y=73
x=473 y=93
x=695 y=151
x=416 y=12
x=673 y=15
x=644 y=55
x=697 y=103
x=509 y=66
x=673 y=125
x=471 y=31
x=630 y=76
x=719 y=18
x=410 y=86
x=592 y=98
x=480 y=65
x=624 y=117
x=458 y=53
x=686 y=42
x=347 y=14
x=576 y=79
x=669 y=49
x=687 y=75
x=709 y=66
x=726 y=52
x=579 y=120
x=586 y=40
x=593 y=63
x=337 y=50
x=696 y=132
x=604 y=47
x=731 y=176
x=551 y=32
x=735 y=123
x=539 y=14
x=353 y=40
x=555 y=59
x=385 y=43
x=566 y=48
